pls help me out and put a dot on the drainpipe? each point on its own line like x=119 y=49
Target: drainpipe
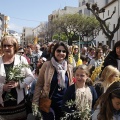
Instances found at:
x=118 y=17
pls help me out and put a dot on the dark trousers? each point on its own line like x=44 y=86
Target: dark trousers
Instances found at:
x=54 y=114
x=48 y=116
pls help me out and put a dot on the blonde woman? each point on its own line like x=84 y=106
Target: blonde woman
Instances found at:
x=108 y=75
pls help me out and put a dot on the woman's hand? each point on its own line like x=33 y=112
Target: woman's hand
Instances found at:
x=10 y=85
x=7 y=87
x=13 y=84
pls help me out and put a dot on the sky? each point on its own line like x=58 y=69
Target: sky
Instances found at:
x=30 y=13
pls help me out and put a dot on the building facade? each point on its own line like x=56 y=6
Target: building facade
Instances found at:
x=109 y=8
x=3 y=24
x=27 y=36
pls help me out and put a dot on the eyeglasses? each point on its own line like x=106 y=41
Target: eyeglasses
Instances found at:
x=75 y=48
x=9 y=46
x=21 y=52
x=59 y=51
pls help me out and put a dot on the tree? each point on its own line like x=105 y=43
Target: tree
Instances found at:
x=103 y=23
x=73 y=25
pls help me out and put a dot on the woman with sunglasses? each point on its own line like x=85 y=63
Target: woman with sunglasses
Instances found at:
x=54 y=78
x=75 y=52
x=108 y=105
x=14 y=107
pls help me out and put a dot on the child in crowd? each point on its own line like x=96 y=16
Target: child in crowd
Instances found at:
x=84 y=59
x=37 y=70
x=108 y=107
x=80 y=91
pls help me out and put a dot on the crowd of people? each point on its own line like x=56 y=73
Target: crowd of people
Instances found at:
x=62 y=74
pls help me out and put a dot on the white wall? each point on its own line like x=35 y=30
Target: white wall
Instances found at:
x=111 y=22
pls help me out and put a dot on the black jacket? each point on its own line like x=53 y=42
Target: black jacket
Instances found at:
x=111 y=59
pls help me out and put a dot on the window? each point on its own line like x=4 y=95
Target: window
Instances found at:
x=87 y=12
x=98 y=43
x=80 y=11
x=107 y=42
x=113 y=26
x=83 y=2
x=107 y=1
x=114 y=8
x=113 y=42
x=102 y=42
x=91 y=1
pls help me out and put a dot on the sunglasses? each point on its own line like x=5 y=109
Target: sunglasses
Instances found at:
x=9 y=46
x=59 y=51
x=21 y=52
x=75 y=48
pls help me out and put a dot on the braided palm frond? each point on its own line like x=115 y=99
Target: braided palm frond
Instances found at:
x=79 y=62
x=96 y=72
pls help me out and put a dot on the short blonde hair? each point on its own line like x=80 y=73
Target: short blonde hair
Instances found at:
x=13 y=41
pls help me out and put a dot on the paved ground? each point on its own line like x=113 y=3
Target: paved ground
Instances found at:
x=30 y=117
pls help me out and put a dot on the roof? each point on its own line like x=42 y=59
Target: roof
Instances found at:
x=110 y=3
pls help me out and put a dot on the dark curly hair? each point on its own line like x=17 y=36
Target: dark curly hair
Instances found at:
x=56 y=46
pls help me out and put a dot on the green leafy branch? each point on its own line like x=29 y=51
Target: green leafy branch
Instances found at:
x=15 y=74
x=83 y=113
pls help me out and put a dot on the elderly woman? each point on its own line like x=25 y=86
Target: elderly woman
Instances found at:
x=12 y=107
x=54 y=78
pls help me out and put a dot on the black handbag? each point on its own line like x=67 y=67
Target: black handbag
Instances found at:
x=28 y=102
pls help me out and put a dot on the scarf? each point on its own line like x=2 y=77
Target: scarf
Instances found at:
x=83 y=98
x=61 y=69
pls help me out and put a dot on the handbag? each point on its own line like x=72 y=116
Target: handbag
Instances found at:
x=28 y=102
x=45 y=103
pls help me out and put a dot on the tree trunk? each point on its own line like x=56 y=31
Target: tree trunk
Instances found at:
x=109 y=42
x=70 y=42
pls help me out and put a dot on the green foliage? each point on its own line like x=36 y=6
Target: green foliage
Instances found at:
x=15 y=73
x=61 y=37
x=73 y=25
x=36 y=112
x=81 y=114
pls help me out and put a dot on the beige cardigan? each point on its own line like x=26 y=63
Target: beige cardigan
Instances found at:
x=44 y=80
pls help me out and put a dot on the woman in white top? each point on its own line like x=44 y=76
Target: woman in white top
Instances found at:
x=13 y=108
